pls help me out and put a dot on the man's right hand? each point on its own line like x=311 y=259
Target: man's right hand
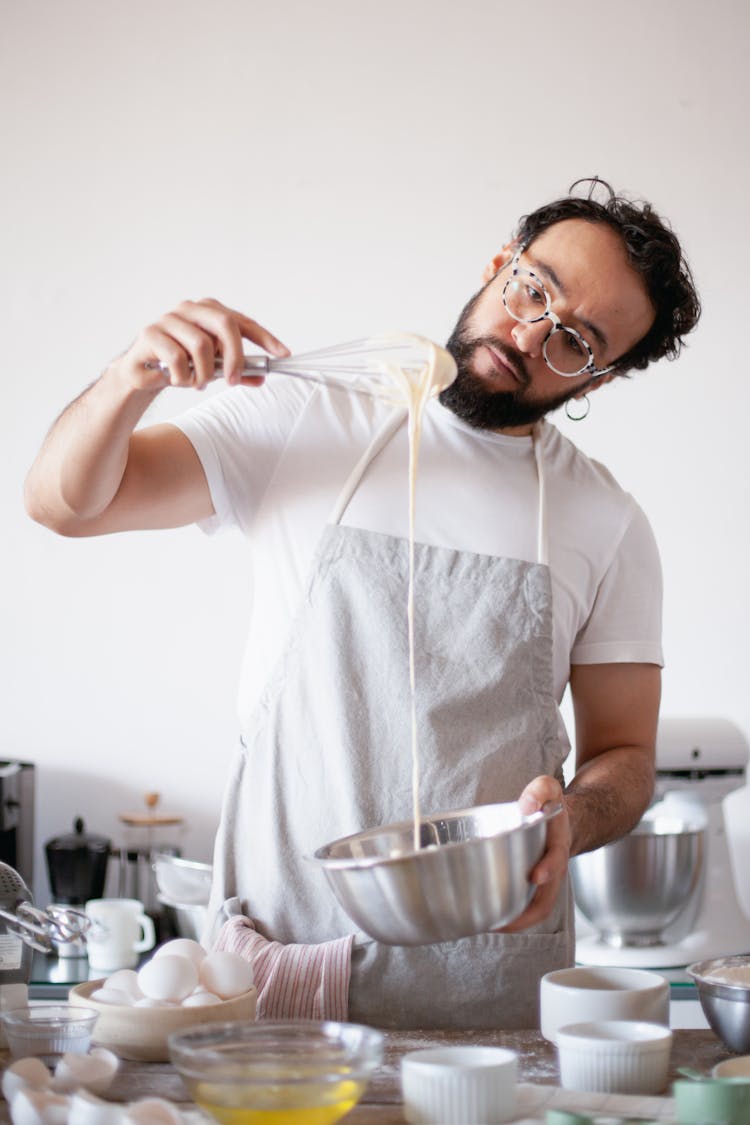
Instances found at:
x=96 y=473
x=188 y=341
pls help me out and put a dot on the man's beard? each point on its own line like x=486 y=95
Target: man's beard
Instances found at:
x=469 y=397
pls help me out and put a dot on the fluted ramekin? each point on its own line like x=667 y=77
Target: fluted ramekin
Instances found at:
x=614 y=1056
x=454 y=1085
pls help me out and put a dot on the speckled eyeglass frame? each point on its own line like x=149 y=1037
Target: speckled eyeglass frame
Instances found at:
x=517 y=271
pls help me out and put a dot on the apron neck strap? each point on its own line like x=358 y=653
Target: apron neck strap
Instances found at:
x=542 y=538
x=382 y=436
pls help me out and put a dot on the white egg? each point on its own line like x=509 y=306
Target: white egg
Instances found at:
x=182 y=947
x=39 y=1107
x=168 y=977
x=226 y=974
x=107 y=995
x=85 y=1109
x=29 y=1073
x=152 y=1111
x=200 y=998
x=94 y=1072
x=148 y=1002
x=124 y=980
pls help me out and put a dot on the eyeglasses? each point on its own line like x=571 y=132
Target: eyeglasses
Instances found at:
x=565 y=351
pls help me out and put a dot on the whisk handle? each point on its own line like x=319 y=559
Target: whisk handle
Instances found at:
x=252 y=365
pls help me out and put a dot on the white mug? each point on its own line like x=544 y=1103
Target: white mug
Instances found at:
x=121 y=929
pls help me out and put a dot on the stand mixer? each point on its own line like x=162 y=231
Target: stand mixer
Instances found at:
x=701 y=766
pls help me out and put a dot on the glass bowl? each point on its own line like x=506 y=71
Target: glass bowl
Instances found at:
x=182 y=880
x=301 y=1072
x=49 y=1030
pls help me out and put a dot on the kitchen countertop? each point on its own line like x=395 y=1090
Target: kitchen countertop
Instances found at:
x=381 y=1104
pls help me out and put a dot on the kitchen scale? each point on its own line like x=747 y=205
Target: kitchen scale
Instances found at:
x=701 y=772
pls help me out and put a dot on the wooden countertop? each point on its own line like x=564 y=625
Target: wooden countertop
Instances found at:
x=381 y=1104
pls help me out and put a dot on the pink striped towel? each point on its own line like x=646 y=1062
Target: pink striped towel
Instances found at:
x=293 y=981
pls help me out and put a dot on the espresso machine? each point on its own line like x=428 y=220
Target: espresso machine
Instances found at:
x=702 y=799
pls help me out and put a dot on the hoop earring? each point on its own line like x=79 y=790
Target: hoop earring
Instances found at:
x=578 y=417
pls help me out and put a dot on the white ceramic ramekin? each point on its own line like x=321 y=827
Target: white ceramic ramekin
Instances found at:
x=592 y=993
x=455 y=1085
x=614 y=1056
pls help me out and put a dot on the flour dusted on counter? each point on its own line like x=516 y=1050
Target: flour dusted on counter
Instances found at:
x=412 y=385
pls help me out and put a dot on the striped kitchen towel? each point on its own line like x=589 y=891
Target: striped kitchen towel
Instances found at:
x=293 y=981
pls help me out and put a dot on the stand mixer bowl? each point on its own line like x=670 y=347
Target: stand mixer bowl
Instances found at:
x=634 y=888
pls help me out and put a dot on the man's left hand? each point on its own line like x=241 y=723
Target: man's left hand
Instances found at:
x=551 y=869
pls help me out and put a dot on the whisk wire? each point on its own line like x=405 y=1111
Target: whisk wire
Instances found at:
x=364 y=365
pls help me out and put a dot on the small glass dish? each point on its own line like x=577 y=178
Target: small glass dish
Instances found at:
x=49 y=1030
x=295 y=1071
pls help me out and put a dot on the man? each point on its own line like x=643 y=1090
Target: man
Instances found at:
x=533 y=570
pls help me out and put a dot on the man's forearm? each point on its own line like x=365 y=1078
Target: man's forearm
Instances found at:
x=80 y=466
x=608 y=796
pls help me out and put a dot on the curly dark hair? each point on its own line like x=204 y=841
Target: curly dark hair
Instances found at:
x=653 y=250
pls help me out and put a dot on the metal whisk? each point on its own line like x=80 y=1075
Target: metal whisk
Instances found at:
x=366 y=365
x=40 y=929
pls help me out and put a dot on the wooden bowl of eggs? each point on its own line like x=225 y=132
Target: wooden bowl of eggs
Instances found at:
x=179 y=987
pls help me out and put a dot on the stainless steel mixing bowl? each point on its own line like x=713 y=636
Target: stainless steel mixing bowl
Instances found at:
x=726 y=1004
x=470 y=874
x=633 y=889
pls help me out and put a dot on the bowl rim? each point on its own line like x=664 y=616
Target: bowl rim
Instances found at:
x=347 y=863
x=647 y=1035
x=466 y=1058
x=741 y=1059
x=730 y=990
x=184 y=1061
x=86 y=987
x=41 y=1015
x=656 y=981
x=180 y=861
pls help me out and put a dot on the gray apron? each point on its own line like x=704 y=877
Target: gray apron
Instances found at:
x=329 y=754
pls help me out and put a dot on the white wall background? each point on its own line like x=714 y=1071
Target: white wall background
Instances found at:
x=334 y=169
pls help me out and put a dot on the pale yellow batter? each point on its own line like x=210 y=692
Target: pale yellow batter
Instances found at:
x=412 y=384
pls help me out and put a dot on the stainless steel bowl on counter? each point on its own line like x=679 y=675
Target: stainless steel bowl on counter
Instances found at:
x=634 y=888
x=724 y=991
x=470 y=874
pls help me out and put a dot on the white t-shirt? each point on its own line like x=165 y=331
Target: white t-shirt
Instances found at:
x=276 y=459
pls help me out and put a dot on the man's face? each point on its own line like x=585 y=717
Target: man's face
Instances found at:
x=503 y=380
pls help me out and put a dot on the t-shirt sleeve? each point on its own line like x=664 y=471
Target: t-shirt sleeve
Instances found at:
x=625 y=623
x=240 y=435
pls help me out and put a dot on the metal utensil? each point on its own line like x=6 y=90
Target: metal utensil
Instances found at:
x=362 y=365
x=470 y=875
x=40 y=929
